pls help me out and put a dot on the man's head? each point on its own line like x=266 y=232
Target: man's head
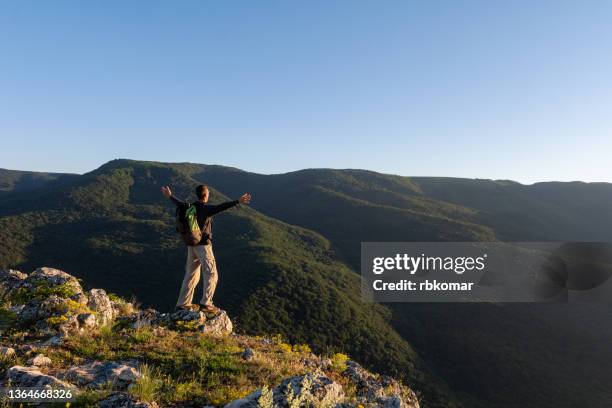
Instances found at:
x=202 y=192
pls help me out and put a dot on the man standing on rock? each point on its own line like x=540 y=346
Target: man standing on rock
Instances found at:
x=201 y=255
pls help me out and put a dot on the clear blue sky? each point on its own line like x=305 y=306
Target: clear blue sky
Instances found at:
x=516 y=90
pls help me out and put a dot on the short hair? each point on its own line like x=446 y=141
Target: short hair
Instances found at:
x=200 y=190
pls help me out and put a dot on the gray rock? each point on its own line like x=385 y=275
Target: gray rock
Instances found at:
x=248 y=354
x=53 y=342
x=145 y=318
x=70 y=326
x=218 y=325
x=87 y=320
x=29 y=312
x=163 y=320
x=98 y=373
x=40 y=360
x=394 y=402
x=312 y=389
x=123 y=400
x=102 y=305
x=383 y=391
x=6 y=352
x=55 y=277
x=51 y=305
x=11 y=279
x=260 y=398
x=368 y=386
x=32 y=377
x=188 y=316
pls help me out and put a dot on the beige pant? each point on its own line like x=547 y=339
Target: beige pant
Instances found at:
x=199 y=257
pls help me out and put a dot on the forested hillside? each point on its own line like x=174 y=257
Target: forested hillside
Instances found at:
x=288 y=265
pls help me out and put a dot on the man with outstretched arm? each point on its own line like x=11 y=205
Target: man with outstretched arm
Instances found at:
x=201 y=256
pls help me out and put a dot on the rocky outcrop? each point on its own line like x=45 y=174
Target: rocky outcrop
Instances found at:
x=313 y=389
x=378 y=390
x=98 y=373
x=50 y=306
x=54 y=278
x=317 y=390
x=20 y=376
x=48 y=300
x=100 y=303
x=218 y=324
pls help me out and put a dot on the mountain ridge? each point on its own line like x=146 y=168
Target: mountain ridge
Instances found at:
x=127 y=161
x=318 y=218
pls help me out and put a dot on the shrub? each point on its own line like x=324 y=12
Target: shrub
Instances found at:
x=339 y=362
x=302 y=348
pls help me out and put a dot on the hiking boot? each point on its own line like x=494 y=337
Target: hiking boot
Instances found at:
x=191 y=308
x=209 y=308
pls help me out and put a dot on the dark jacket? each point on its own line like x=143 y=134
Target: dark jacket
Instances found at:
x=204 y=213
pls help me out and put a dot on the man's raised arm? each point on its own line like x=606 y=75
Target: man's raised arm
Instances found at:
x=168 y=194
x=244 y=199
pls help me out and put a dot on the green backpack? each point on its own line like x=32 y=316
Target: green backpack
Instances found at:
x=187 y=225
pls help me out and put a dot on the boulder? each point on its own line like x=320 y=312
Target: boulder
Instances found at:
x=40 y=360
x=98 y=373
x=32 y=377
x=218 y=325
x=102 y=305
x=54 y=277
